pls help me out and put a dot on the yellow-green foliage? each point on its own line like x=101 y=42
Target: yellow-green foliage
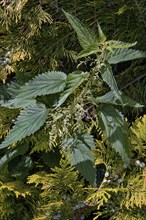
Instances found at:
x=27 y=20
x=132 y=215
x=138 y=136
x=100 y=197
x=32 y=43
x=124 y=199
x=61 y=192
x=135 y=192
x=7 y=118
x=123 y=191
x=17 y=200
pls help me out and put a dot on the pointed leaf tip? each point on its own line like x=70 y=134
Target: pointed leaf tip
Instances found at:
x=46 y=83
x=115 y=129
x=28 y=122
x=85 y=36
x=102 y=37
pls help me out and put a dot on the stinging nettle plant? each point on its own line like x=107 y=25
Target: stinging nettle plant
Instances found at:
x=80 y=95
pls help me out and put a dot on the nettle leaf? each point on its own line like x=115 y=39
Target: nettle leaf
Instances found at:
x=87 y=170
x=102 y=37
x=108 y=98
x=20 y=166
x=27 y=123
x=109 y=78
x=80 y=153
x=124 y=54
x=127 y=101
x=120 y=44
x=17 y=103
x=111 y=98
x=43 y=84
x=81 y=146
x=12 y=101
x=85 y=36
x=74 y=80
x=13 y=89
x=116 y=130
x=11 y=154
x=93 y=49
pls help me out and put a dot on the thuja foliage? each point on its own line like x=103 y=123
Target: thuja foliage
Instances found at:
x=62 y=191
x=75 y=115
x=17 y=200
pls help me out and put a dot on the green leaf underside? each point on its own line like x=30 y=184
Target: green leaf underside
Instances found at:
x=85 y=36
x=87 y=170
x=80 y=153
x=28 y=122
x=13 y=89
x=20 y=167
x=102 y=37
x=116 y=130
x=111 y=98
x=119 y=44
x=109 y=78
x=124 y=54
x=81 y=146
x=21 y=150
x=17 y=103
x=73 y=82
x=93 y=49
x=43 y=84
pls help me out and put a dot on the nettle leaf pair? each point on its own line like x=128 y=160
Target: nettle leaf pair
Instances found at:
x=111 y=121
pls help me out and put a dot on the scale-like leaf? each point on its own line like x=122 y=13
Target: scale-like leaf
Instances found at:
x=116 y=130
x=109 y=78
x=111 y=98
x=45 y=83
x=124 y=54
x=138 y=135
x=74 y=80
x=28 y=122
x=85 y=36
